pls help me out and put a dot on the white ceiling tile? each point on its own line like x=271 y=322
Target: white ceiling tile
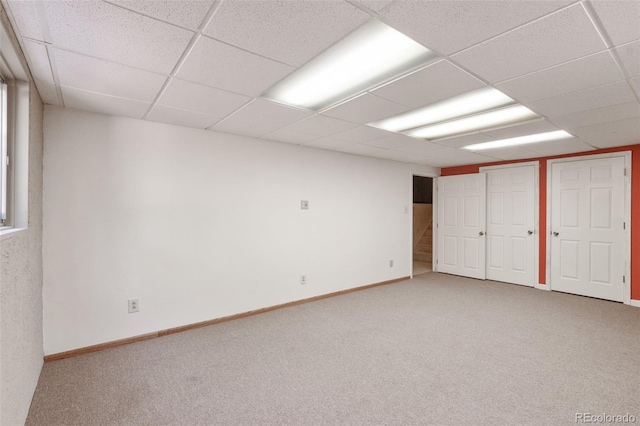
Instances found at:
x=217 y=64
x=422 y=147
x=106 y=31
x=449 y=26
x=329 y=143
x=203 y=99
x=367 y=151
x=599 y=115
x=559 y=147
x=460 y=141
x=456 y=157
x=288 y=31
x=289 y=136
x=28 y=18
x=629 y=137
x=181 y=117
x=407 y=157
x=96 y=75
x=320 y=125
x=561 y=37
x=104 y=104
x=396 y=141
x=48 y=92
x=627 y=129
x=621 y=19
x=39 y=60
x=584 y=100
x=259 y=118
x=590 y=71
x=365 y=109
x=540 y=126
x=630 y=56
x=434 y=83
x=362 y=134
x=514 y=153
x=374 y=5
x=185 y=13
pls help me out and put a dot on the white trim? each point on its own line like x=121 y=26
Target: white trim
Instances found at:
x=434 y=226
x=627 y=213
x=541 y=286
x=635 y=303
x=536 y=217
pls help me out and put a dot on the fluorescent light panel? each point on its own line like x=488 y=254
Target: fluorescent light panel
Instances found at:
x=469 y=103
x=521 y=140
x=368 y=57
x=503 y=116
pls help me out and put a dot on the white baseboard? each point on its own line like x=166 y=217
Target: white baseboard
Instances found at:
x=635 y=303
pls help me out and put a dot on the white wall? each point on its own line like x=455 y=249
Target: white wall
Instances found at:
x=200 y=225
x=21 y=296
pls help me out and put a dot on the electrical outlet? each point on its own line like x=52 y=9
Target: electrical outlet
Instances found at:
x=303 y=279
x=304 y=205
x=391 y=263
x=134 y=306
x=406 y=209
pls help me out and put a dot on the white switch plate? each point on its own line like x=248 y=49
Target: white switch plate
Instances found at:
x=304 y=205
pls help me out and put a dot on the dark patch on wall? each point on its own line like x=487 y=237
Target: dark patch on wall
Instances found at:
x=422 y=190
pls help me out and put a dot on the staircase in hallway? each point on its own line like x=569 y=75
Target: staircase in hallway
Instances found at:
x=423 y=233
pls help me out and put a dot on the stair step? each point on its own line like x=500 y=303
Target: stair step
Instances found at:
x=422 y=257
x=424 y=247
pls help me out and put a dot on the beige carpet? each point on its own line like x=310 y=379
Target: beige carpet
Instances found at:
x=434 y=350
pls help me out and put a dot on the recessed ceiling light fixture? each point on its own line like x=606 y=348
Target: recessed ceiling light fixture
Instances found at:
x=521 y=140
x=468 y=103
x=498 y=117
x=373 y=54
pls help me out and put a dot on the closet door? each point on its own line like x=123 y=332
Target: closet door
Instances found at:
x=461 y=225
x=587 y=227
x=511 y=225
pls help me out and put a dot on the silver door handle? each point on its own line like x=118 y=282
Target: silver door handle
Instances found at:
x=481 y=233
x=555 y=234
x=530 y=232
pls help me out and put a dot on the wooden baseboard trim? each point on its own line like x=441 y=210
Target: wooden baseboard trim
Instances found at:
x=134 y=339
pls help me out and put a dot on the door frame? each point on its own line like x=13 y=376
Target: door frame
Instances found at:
x=536 y=217
x=409 y=207
x=627 y=215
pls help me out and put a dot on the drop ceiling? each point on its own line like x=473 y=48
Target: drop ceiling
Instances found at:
x=204 y=64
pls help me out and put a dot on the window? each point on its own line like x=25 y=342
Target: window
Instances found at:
x=4 y=154
x=14 y=135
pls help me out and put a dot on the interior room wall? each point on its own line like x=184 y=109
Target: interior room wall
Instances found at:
x=635 y=206
x=199 y=225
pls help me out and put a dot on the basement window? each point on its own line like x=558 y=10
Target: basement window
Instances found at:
x=14 y=134
x=4 y=154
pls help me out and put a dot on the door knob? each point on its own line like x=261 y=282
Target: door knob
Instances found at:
x=481 y=233
x=530 y=232
x=555 y=234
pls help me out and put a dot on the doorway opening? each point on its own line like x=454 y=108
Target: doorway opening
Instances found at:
x=422 y=225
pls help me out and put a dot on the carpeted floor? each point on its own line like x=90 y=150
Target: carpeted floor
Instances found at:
x=437 y=349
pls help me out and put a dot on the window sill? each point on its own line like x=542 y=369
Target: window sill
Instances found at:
x=7 y=231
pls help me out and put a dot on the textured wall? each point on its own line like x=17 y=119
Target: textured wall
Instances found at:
x=21 y=348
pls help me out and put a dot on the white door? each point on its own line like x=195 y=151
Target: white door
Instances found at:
x=461 y=220
x=587 y=236
x=511 y=225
